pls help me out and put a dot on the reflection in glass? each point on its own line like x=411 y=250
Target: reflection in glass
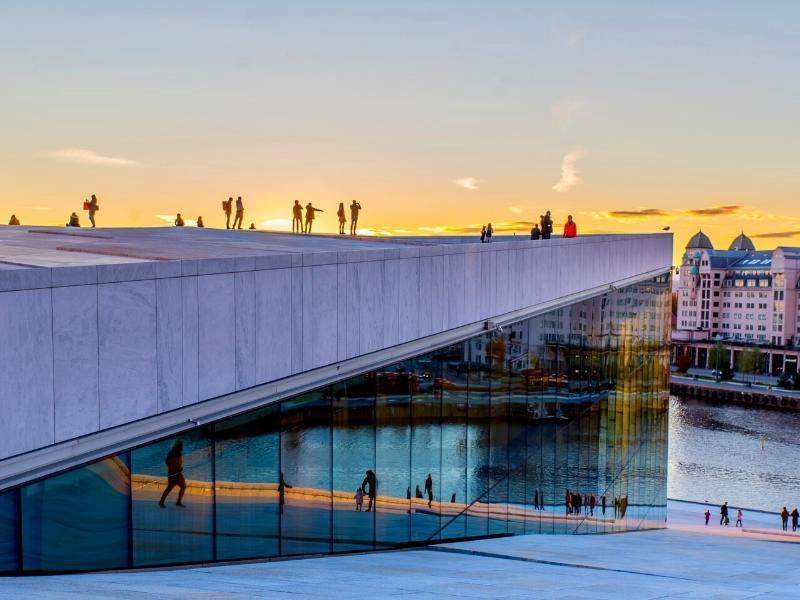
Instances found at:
x=355 y=484
x=305 y=477
x=78 y=518
x=173 y=500
x=426 y=448
x=9 y=532
x=454 y=443
x=393 y=452
x=246 y=485
x=556 y=424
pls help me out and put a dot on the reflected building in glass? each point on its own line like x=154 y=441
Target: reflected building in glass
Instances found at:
x=553 y=424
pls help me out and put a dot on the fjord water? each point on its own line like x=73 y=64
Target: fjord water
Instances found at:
x=715 y=454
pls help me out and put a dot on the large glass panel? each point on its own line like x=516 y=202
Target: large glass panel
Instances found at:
x=173 y=500
x=305 y=477
x=393 y=451
x=426 y=448
x=500 y=354
x=355 y=482
x=478 y=420
x=9 y=532
x=246 y=484
x=79 y=519
x=454 y=443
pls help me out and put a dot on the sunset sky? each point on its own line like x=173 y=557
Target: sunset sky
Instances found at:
x=437 y=116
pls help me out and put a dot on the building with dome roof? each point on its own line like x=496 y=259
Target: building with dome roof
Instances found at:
x=742 y=296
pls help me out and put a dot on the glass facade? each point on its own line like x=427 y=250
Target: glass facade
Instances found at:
x=554 y=424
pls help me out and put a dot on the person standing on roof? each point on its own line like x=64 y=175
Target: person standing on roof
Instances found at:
x=570 y=228
x=310 y=210
x=93 y=208
x=239 y=213
x=355 y=207
x=297 y=217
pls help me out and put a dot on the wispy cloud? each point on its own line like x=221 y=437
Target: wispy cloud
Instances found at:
x=643 y=213
x=89 y=157
x=570 y=176
x=566 y=110
x=715 y=211
x=468 y=183
x=777 y=234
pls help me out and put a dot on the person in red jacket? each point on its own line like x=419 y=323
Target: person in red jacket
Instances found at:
x=570 y=228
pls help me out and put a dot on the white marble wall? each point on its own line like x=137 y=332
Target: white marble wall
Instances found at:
x=82 y=349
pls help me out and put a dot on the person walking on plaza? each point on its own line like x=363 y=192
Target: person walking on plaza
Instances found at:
x=239 y=213
x=92 y=208
x=282 y=487
x=723 y=513
x=592 y=504
x=174 y=462
x=784 y=518
x=707 y=515
x=359 y=498
x=795 y=516
x=227 y=206
x=429 y=489
x=310 y=210
x=536 y=233
x=739 y=515
x=179 y=220
x=297 y=217
x=547 y=226
x=342 y=220
x=570 y=228
x=489 y=233
x=13 y=220
x=355 y=207
x=370 y=485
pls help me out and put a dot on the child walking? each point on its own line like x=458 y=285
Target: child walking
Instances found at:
x=359 y=497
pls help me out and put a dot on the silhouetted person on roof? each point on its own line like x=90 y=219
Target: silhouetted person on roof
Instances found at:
x=489 y=233
x=179 y=220
x=200 y=222
x=342 y=220
x=227 y=207
x=174 y=462
x=310 y=210
x=13 y=220
x=483 y=234
x=355 y=207
x=297 y=217
x=74 y=221
x=239 y=213
x=547 y=226
x=570 y=228
x=93 y=208
x=252 y=225
x=536 y=233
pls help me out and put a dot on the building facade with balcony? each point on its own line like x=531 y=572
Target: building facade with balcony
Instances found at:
x=740 y=296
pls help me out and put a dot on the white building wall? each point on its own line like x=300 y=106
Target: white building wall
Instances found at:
x=86 y=348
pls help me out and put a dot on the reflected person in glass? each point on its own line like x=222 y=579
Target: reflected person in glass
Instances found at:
x=174 y=462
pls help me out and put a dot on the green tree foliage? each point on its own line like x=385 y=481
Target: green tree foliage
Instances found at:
x=750 y=361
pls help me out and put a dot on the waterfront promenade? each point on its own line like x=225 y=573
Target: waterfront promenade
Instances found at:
x=687 y=560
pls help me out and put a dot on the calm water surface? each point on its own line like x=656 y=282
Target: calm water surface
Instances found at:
x=715 y=454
